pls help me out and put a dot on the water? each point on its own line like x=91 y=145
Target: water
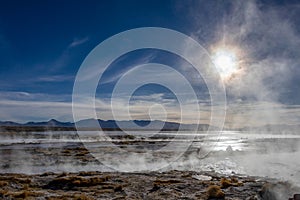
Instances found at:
x=259 y=154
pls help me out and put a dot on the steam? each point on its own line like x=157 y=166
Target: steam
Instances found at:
x=268 y=48
x=266 y=89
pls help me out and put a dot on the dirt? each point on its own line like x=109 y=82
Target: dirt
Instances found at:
x=150 y=185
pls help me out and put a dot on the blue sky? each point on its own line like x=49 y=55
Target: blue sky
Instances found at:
x=43 y=43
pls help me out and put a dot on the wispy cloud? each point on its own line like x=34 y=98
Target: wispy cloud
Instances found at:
x=67 y=54
x=256 y=113
x=268 y=41
x=78 y=41
x=268 y=44
x=268 y=38
x=55 y=78
x=123 y=64
x=35 y=97
x=23 y=111
x=27 y=107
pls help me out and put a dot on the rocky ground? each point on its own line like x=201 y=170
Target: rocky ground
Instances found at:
x=117 y=185
x=152 y=185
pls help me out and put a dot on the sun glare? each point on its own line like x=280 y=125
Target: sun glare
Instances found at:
x=226 y=62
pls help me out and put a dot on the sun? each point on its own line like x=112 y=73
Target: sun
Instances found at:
x=226 y=62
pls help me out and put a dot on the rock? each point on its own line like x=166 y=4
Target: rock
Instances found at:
x=277 y=191
x=225 y=183
x=202 y=177
x=253 y=198
x=143 y=185
x=296 y=197
x=215 y=191
x=229 y=149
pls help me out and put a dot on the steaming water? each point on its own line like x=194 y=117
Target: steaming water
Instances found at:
x=259 y=154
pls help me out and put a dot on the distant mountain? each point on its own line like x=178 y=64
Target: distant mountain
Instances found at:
x=138 y=125
x=132 y=125
x=50 y=123
x=135 y=124
x=9 y=123
x=107 y=124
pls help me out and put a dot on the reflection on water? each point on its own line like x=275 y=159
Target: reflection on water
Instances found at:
x=237 y=140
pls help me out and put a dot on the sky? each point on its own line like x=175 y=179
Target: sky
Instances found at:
x=43 y=44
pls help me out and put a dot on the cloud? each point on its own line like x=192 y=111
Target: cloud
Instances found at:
x=55 y=78
x=268 y=44
x=122 y=64
x=23 y=111
x=243 y=114
x=240 y=114
x=67 y=55
x=76 y=42
x=26 y=96
x=268 y=39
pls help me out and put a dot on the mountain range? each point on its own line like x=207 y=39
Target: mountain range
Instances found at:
x=107 y=124
x=50 y=123
x=54 y=124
